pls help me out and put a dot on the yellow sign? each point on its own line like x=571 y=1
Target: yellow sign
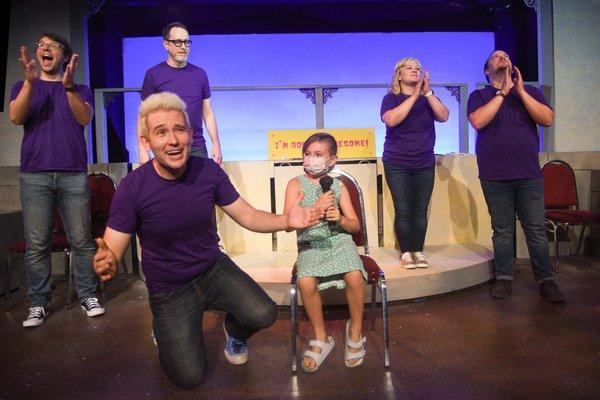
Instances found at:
x=352 y=142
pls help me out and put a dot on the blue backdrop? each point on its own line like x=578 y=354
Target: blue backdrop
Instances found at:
x=244 y=117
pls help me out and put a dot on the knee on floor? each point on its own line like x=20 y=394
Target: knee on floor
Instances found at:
x=188 y=378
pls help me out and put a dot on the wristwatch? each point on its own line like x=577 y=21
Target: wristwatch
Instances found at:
x=72 y=89
x=430 y=93
x=499 y=93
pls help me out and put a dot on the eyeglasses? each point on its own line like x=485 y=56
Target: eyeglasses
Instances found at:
x=179 y=43
x=52 y=46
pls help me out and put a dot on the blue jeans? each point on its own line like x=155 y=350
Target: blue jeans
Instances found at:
x=40 y=193
x=411 y=191
x=525 y=198
x=177 y=317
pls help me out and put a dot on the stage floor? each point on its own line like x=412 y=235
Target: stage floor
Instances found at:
x=452 y=267
x=460 y=345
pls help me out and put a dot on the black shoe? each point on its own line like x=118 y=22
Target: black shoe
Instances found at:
x=37 y=316
x=551 y=292
x=92 y=306
x=501 y=289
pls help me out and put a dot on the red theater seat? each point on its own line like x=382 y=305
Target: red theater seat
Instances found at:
x=562 y=203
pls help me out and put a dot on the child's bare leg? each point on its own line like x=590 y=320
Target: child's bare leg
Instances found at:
x=355 y=295
x=314 y=308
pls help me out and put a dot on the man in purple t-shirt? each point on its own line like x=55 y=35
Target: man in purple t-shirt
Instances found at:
x=54 y=111
x=170 y=202
x=506 y=114
x=188 y=82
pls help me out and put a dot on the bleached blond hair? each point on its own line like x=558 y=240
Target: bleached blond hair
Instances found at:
x=160 y=101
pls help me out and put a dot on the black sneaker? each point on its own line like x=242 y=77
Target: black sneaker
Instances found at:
x=551 y=292
x=501 y=289
x=36 y=317
x=92 y=306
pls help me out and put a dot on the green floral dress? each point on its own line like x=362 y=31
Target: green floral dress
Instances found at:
x=324 y=253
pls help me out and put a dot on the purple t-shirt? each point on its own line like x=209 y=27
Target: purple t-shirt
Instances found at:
x=175 y=220
x=507 y=148
x=53 y=140
x=190 y=83
x=410 y=143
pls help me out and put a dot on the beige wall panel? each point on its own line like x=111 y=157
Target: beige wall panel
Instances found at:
x=457 y=211
x=576 y=61
x=578 y=159
x=252 y=181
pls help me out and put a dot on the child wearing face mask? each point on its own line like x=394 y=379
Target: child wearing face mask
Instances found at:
x=327 y=255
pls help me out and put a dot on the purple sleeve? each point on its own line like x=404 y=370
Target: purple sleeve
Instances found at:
x=15 y=90
x=123 y=213
x=389 y=102
x=225 y=193
x=206 y=91
x=475 y=101
x=86 y=94
x=537 y=94
x=147 y=86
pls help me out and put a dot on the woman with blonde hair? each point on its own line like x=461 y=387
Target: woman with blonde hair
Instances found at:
x=409 y=111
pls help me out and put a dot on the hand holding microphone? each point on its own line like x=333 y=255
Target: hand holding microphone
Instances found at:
x=331 y=211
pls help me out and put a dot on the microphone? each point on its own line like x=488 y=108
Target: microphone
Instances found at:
x=326 y=182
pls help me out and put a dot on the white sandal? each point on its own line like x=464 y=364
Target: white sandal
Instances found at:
x=359 y=355
x=318 y=357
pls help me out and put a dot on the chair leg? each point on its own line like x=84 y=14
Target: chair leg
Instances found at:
x=69 y=272
x=294 y=324
x=386 y=350
x=103 y=290
x=7 y=282
x=555 y=249
x=580 y=243
x=373 y=299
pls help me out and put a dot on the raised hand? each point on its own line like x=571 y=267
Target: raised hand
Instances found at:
x=518 y=81
x=104 y=262
x=29 y=67
x=418 y=89
x=506 y=82
x=67 y=80
x=426 y=87
x=299 y=217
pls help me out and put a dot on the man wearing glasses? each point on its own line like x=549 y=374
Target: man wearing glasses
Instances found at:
x=54 y=111
x=190 y=83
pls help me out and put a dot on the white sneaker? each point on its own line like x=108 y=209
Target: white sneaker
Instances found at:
x=36 y=317
x=236 y=351
x=92 y=306
x=407 y=261
x=420 y=260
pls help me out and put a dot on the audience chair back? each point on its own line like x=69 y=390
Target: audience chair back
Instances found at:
x=560 y=188
x=562 y=204
x=356 y=197
x=102 y=189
